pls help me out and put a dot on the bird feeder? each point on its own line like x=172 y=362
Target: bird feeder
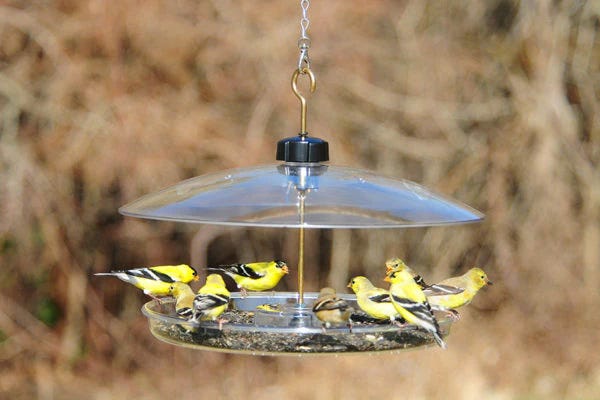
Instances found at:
x=302 y=191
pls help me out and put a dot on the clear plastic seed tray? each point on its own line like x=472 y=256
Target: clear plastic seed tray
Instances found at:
x=284 y=328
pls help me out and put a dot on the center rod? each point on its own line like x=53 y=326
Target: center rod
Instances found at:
x=301 y=197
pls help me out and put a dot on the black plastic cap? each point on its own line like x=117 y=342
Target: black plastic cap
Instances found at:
x=302 y=149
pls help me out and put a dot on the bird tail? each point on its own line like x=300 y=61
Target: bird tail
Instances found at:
x=437 y=334
x=119 y=274
x=438 y=339
x=196 y=316
x=224 y=270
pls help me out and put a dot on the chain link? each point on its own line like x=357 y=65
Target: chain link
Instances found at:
x=304 y=41
x=304 y=22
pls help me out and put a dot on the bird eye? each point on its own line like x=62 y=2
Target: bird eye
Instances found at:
x=482 y=277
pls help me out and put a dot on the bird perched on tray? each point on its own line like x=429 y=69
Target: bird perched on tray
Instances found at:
x=156 y=281
x=184 y=298
x=330 y=309
x=396 y=264
x=256 y=276
x=272 y=308
x=211 y=301
x=374 y=301
x=456 y=292
x=411 y=303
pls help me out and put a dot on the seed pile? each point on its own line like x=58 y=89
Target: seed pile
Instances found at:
x=271 y=341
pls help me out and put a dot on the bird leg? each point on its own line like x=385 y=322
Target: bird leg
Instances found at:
x=350 y=326
x=154 y=297
x=244 y=292
x=453 y=314
x=399 y=324
x=222 y=321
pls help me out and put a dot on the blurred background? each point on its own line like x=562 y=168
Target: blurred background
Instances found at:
x=493 y=103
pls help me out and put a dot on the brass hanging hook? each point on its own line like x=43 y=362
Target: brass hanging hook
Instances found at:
x=313 y=87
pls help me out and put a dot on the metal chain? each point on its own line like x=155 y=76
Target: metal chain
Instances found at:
x=303 y=66
x=304 y=41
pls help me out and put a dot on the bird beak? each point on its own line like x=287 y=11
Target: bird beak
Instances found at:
x=387 y=279
x=196 y=278
x=490 y=282
x=285 y=269
x=349 y=284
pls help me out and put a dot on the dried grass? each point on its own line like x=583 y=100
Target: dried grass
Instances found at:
x=494 y=103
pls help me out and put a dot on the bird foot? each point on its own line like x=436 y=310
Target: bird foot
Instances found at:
x=221 y=321
x=399 y=324
x=155 y=298
x=454 y=314
x=244 y=293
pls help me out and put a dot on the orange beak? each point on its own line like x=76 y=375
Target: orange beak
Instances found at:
x=285 y=269
x=387 y=279
x=196 y=278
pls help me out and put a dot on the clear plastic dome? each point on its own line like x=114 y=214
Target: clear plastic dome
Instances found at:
x=273 y=196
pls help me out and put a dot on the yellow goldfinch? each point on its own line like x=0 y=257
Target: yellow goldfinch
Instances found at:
x=456 y=292
x=330 y=309
x=396 y=264
x=184 y=297
x=211 y=301
x=372 y=300
x=274 y=308
x=256 y=276
x=156 y=281
x=411 y=303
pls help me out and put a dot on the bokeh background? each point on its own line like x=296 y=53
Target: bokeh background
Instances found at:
x=494 y=103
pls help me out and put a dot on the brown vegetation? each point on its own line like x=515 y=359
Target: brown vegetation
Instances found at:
x=494 y=103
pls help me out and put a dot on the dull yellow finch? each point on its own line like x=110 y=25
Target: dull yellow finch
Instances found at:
x=456 y=292
x=256 y=276
x=156 y=281
x=411 y=303
x=211 y=301
x=184 y=298
x=396 y=264
x=330 y=309
x=374 y=301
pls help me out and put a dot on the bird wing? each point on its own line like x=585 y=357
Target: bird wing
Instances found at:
x=380 y=298
x=421 y=311
x=239 y=269
x=148 y=273
x=185 y=312
x=442 y=290
x=420 y=281
x=208 y=301
x=330 y=304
